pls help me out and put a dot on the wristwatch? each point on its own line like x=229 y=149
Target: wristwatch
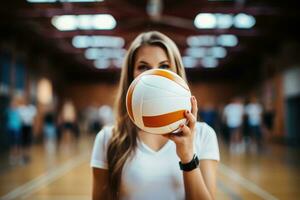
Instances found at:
x=193 y=164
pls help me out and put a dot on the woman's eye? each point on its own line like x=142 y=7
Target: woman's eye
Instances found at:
x=143 y=67
x=165 y=66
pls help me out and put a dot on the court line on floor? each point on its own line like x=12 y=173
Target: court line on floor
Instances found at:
x=247 y=184
x=50 y=176
x=233 y=195
x=45 y=179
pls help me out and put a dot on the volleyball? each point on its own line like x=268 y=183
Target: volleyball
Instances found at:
x=156 y=101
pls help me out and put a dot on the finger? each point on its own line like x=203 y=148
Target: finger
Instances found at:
x=178 y=133
x=185 y=130
x=194 y=106
x=191 y=119
x=175 y=137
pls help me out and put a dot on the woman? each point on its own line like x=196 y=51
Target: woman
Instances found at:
x=131 y=164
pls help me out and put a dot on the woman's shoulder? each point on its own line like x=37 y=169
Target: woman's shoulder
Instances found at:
x=206 y=142
x=203 y=130
x=203 y=127
x=98 y=159
x=104 y=134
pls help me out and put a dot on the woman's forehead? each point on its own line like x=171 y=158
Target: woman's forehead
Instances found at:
x=151 y=53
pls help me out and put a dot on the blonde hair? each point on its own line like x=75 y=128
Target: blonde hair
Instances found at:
x=123 y=143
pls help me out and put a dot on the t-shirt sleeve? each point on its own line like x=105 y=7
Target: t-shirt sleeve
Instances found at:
x=99 y=159
x=207 y=147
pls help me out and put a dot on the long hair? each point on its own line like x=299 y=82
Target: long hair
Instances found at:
x=123 y=143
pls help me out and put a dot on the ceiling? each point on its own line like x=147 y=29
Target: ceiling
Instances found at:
x=30 y=25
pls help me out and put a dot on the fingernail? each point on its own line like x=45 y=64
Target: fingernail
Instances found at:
x=187 y=111
x=193 y=97
x=181 y=125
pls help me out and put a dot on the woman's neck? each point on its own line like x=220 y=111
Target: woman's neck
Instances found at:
x=155 y=142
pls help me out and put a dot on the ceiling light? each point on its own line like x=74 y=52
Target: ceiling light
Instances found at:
x=107 y=41
x=96 y=53
x=202 y=40
x=244 y=21
x=154 y=8
x=84 y=22
x=209 y=62
x=227 y=40
x=224 y=21
x=197 y=52
x=91 y=53
x=85 y=41
x=189 y=62
x=104 y=22
x=102 y=63
x=65 y=22
x=205 y=20
x=81 y=41
x=217 y=52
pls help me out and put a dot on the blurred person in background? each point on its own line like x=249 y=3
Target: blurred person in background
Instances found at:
x=92 y=118
x=106 y=115
x=68 y=120
x=27 y=113
x=129 y=163
x=247 y=137
x=268 y=119
x=50 y=131
x=221 y=124
x=233 y=115
x=254 y=110
x=209 y=115
x=90 y=115
x=14 y=129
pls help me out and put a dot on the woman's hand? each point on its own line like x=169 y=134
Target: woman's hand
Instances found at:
x=184 y=139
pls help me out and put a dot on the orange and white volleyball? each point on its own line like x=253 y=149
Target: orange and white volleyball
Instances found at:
x=156 y=101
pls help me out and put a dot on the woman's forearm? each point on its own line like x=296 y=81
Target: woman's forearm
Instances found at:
x=99 y=194
x=195 y=188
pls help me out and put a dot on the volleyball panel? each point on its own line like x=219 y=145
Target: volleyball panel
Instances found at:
x=165 y=129
x=165 y=105
x=164 y=84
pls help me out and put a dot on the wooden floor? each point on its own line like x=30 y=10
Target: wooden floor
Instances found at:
x=64 y=174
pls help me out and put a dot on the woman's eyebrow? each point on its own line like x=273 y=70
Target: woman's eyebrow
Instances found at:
x=164 y=61
x=143 y=62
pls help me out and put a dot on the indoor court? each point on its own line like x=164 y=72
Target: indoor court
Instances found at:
x=60 y=65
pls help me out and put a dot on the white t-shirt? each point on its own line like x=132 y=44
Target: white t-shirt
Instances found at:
x=234 y=115
x=254 y=111
x=155 y=175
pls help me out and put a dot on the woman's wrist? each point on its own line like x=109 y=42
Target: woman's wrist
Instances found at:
x=191 y=165
x=187 y=158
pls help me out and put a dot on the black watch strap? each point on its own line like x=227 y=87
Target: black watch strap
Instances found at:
x=193 y=164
